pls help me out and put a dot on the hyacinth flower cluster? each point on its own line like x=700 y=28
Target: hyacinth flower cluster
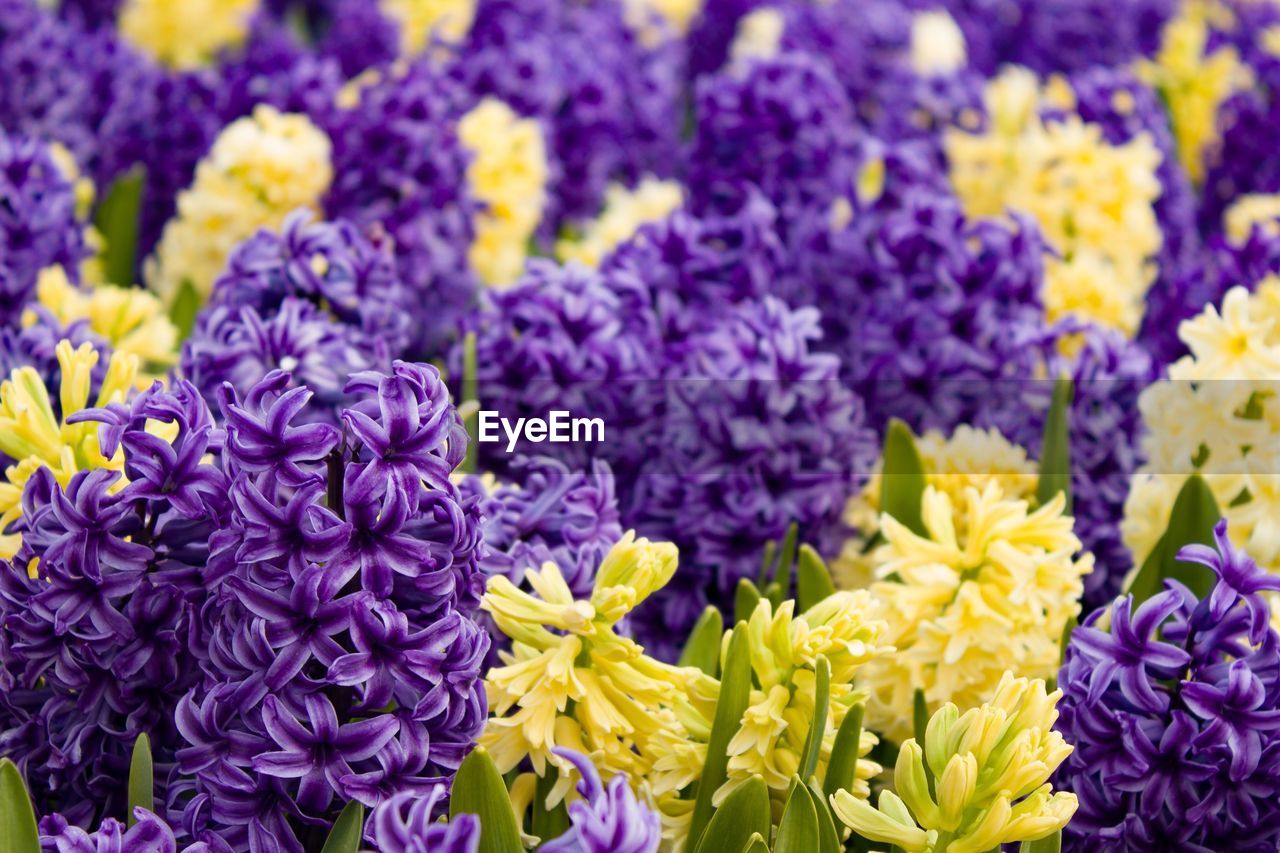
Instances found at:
x=978 y=781
x=1172 y=704
x=572 y=680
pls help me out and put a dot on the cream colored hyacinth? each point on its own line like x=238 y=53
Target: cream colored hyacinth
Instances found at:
x=133 y=321
x=674 y=16
x=937 y=45
x=261 y=168
x=420 y=21
x=508 y=175
x=626 y=211
x=1094 y=201
x=988 y=588
x=1260 y=210
x=759 y=35
x=571 y=681
x=785 y=648
x=35 y=437
x=186 y=33
x=1218 y=414
x=968 y=458
x=991 y=765
x=1193 y=83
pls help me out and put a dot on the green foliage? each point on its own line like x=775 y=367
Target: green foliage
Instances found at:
x=1191 y=521
x=347 y=829
x=184 y=309
x=798 y=829
x=735 y=692
x=821 y=702
x=745 y=599
x=813 y=579
x=843 y=766
x=117 y=221
x=1055 y=453
x=744 y=813
x=702 y=649
x=18 y=832
x=142 y=784
x=478 y=789
x=903 y=481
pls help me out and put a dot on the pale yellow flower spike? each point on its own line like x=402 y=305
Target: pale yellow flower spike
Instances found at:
x=1094 y=201
x=992 y=765
x=133 y=321
x=508 y=175
x=1217 y=414
x=1193 y=84
x=186 y=33
x=422 y=20
x=626 y=211
x=31 y=434
x=260 y=169
x=988 y=588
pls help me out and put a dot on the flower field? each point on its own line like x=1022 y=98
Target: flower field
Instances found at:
x=639 y=426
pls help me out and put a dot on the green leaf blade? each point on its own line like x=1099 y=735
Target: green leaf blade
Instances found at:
x=903 y=480
x=821 y=705
x=843 y=766
x=813 y=579
x=478 y=789
x=744 y=813
x=1055 y=452
x=1191 y=521
x=1048 y=844
x=745 y=599
x=703 y=646
x=18 y=830
x=117 y=220
x=735 y=692
x=347 y=830
x=142 y=784
x=798 y=829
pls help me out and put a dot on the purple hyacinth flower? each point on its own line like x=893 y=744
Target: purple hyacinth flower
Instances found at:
x=149 y=834
x=1235 y=716
x=605 y=820
x=407 y=823
x=1131 y=648
x=319 y=754
x=1239 y=579
x=261 y=434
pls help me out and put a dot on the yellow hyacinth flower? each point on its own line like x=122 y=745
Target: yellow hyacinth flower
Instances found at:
x=1094 y=201
x=785 y=649
x=186 y=34
x=626 y=211
x=937 y=44
x=759 y=35
x=261 y=168
x=508 y=175
x=423 y=20
x=1193 y=84
x=1218 y=415
x=133 y=321
x=33 y=435
x=1260 y=210
x=992 y=765
x=987 y=588
x=968 y=458
x=571 y=680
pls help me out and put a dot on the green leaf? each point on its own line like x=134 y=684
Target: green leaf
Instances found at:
x=767 y=562
x=821 y=703
x=745 y=599
x=813 y=579
x=828 y=835
x=920 y=725
x=18 y=832
x=844 y=752
x=702 y=649
x=757 y=844
x=1055 y=452
x=787 y=558
x=548 y=824
x=1049 y=844
x=347 y=829
x=470 y=392
x=142 y=783
x=478 y=789
x=744 y=813
x=903 y=482
x=185 y=307
x=735 y=691
x=117 y=221
x=798 y=828
x=1191 y=521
